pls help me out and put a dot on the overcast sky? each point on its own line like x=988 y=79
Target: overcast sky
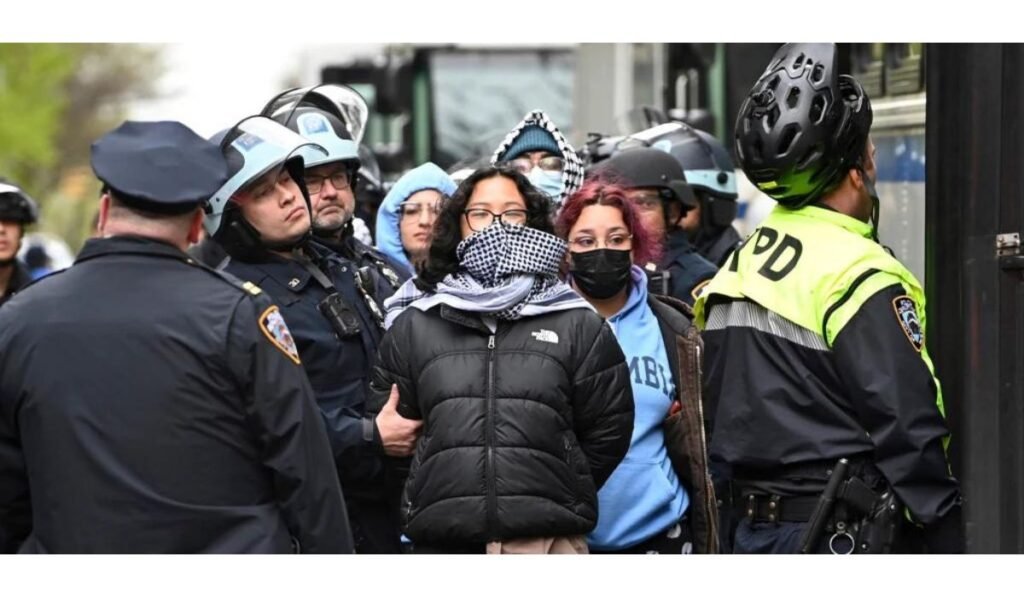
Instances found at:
x=209 y=87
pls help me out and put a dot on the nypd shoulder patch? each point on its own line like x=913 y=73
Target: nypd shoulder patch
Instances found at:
x=276 y=330
x=906 y=314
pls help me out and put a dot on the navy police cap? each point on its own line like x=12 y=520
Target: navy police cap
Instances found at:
x=163 y=167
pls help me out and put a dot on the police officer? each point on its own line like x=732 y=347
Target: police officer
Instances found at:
x=657 y=185
x=712 y=176
x=17 y=210
x=333 y=116
x=158 y=405
x=261 y=217
x=815 y=336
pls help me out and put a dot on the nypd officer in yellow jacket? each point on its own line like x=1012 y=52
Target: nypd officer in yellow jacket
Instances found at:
x=817 y=365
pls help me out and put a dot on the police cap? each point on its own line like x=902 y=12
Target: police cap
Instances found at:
x=163 y=167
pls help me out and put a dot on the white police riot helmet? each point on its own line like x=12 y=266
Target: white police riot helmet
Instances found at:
x=253 y=147
x=333 y=116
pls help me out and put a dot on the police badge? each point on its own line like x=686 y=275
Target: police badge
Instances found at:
x=906 y=313
x=276 y=330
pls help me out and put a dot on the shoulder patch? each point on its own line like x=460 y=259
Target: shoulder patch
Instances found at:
x=906 y=314
x=276 y=330
x=699 y=288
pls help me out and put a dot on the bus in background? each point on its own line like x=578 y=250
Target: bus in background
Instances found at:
x=454 y=104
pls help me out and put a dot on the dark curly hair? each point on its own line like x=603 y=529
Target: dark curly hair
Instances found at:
x=447 y=234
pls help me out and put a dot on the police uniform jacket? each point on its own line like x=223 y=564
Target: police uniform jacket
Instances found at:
x=688 y=271
x=149 y=404
x=387 y=274
x=816 y=350
x=718 y=247
x=19 y=279
x=338 y=368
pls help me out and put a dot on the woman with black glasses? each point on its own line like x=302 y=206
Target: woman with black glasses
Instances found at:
x=522 y=388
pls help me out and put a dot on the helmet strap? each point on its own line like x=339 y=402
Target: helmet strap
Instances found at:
x=869 y=185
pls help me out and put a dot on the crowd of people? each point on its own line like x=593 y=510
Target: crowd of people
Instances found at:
x=555 y=354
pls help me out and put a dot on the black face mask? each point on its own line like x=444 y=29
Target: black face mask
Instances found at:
x=601 y=274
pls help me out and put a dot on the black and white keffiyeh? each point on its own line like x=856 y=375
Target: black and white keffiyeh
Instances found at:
x=508 y=272
x=572 y=173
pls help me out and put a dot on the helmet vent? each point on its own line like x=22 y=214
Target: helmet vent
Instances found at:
x=774 y=83
x=799 y=61
x=789 y=134
x=810 y=156
x=757 y=150
x=770 y=118
x=818 y=73
x=793 y=98
x=817 y=112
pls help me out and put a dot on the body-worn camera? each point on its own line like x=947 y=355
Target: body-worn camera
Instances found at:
x=342 y=317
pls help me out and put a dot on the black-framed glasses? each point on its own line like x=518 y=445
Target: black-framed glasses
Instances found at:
x=340 y=180
x=619 y=241
x=551 y=163
x=479 y=218
x=412 y=210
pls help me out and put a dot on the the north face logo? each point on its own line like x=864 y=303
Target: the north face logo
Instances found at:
x=545 y=336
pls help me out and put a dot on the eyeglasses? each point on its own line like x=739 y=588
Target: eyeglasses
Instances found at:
x=619 y=242
x=479 y=218
x=339 y=180
x=550 y=163
x=412 y=211
x=646 y=200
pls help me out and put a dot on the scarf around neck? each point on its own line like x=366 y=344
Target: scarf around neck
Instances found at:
x=508 y=272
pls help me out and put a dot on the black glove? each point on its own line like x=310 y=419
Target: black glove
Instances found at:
x=946 y=535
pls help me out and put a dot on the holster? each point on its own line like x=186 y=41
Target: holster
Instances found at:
x=872 y=518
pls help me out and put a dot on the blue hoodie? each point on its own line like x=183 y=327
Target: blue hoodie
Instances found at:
x=643 y=496
x=389 y=236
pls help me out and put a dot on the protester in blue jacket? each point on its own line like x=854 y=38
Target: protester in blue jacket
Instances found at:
x=659 y=499
x=406 y=216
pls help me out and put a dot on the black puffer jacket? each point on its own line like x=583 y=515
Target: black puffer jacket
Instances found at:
x=521 y=427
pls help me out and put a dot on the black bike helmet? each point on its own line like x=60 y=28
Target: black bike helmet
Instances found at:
x=803 y=126
x=16 y=205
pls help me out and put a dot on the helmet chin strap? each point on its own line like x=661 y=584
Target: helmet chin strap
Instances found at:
x=869 y=186
x=288 y=244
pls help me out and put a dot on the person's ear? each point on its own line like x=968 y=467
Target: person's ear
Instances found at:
x=856 y=176
x=195 y=228
x=101 y=221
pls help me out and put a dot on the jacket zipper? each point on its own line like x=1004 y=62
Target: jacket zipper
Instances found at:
x=492 y=499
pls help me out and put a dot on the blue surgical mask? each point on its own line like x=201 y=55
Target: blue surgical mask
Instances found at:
x=548 y=182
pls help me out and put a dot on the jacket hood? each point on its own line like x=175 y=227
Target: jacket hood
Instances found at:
x=421 y=178
x=572 y=173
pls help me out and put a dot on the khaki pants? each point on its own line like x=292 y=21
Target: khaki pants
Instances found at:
x=573 y=544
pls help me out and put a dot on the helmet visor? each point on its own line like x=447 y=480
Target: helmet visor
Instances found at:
x=263 y=145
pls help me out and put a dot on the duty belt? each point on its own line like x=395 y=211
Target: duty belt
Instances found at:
x=775 y=508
